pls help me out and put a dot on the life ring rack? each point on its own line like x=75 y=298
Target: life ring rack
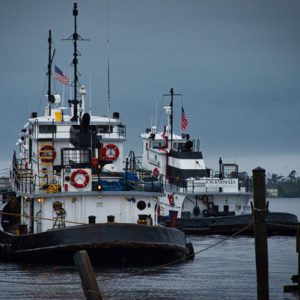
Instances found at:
x=171 y=199
x=110 y=152
x=155 y=172
x=85 y=181
x=44 y=153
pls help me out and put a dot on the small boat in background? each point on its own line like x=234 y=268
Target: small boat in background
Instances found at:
x=72 y=191
x=197 y=199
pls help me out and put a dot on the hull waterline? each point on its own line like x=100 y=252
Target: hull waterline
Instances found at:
x=107 y=244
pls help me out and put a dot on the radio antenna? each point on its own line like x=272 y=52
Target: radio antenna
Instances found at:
x=108 y=50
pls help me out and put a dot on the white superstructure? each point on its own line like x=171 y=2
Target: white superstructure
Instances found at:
x=192 y=189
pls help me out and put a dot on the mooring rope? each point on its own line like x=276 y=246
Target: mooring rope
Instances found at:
x=41 y=218
x=282 y=225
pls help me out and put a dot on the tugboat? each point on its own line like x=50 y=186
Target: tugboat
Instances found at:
x=72 y=191
x=197 y=199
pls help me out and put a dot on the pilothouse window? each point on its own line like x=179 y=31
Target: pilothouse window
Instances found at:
x=76 y=157
x=159 y=144
x=178 y=146
x=47 y=129
x=104 y=129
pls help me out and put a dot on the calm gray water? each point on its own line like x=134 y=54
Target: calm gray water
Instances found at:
x=225 y=271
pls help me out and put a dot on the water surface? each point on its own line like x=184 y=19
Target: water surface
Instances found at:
x=226 y=271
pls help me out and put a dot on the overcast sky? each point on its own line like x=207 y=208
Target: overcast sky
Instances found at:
x=236 y=62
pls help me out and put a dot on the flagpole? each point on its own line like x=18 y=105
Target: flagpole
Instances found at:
x=63 y=95
x=70 y=89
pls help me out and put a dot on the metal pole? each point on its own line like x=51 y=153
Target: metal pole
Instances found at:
x=49 y=72
x=260 y=234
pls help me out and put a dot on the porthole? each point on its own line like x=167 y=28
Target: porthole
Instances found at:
x=141 y=205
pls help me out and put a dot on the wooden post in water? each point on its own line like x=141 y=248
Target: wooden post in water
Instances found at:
x=295 y=278
x=298 y=251
x=260 y=234
x=87 y=275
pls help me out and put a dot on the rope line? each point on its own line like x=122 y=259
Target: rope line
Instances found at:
x=226 y=238
x=39 y=283
x=260 y=209
x=282 y=225
x=39 y=218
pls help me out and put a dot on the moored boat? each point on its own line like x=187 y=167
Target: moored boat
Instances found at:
x=198 y=199
x=72 y=191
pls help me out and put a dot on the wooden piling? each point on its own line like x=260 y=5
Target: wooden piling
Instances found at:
x=87 y=276
x=298 y=251
x=260 y=234
x=295 y=278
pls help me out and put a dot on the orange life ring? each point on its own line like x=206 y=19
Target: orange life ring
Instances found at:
x=47 y=153
x=171 y=199
x=155 y=172
x=110 y=152
x=86 y=178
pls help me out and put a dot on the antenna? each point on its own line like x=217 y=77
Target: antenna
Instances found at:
x=75 y=37
x=50 y=60
x=155 y=116
x=90 y=81
x=107 y=44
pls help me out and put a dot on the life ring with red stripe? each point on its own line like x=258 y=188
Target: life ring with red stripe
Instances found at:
x=110 y=152
x=75 y=178
x=47 y=153
x=171 y=199
x=155 y=172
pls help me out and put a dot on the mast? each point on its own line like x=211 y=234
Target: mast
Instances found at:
x=107 y=44
x=171 y=114
x=75 y=62
x=50 y=59
x=75 y=37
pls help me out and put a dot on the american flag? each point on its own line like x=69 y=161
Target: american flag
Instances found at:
x=184 y=121
x=59 y=75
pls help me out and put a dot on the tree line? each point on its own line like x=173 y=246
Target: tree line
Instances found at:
x=287 y=187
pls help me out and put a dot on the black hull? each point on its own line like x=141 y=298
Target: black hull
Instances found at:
x=277 y=224
x=106 y=244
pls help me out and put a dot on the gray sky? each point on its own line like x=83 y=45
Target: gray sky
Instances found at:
x=236 y=62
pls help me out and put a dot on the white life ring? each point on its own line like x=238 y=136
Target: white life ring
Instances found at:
x=110 y=152
x=74 y=178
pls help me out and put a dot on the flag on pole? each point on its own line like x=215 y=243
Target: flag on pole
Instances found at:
x=60 y=76
x=184 y=121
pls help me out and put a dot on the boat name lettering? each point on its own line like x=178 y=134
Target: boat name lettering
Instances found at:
x=221 y=181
